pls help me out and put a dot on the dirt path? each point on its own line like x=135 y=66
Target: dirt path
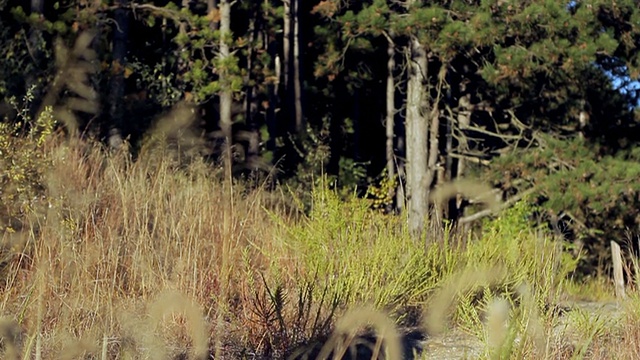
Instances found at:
x=456 y=345
x=453 y=345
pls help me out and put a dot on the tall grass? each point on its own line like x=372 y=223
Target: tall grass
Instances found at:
x=163 y=258
x=114 y=234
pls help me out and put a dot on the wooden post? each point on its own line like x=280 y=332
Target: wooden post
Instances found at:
x=618 y=276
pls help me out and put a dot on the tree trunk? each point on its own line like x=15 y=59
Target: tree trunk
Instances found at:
x=224 y=7
x=225 y=81
x=286 y=44
x=116 y=82
x=273 y=90
x=297 y=86
x=434 y=148
x=251 y=106
x=417 y=128
x=35 y=45
x=400 y=131
x=390 y=119
x=451 y=208
x=288 y=115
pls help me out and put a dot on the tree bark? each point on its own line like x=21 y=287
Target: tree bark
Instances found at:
x=35 y=45
x=286 y=44
x=297 y=86
x=251 y=106
x=273 y=90
x=288 y=115
x=417 y=128
x=390 y=119
x=225 y=81
x=116 y=82
x=224 y=7
x=434 y=147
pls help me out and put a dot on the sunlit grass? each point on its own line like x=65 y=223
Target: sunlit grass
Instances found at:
x=161 y=257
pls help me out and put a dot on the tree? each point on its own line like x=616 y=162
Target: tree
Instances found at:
x=298 y=118
x=417 y=123
x=390 y=118
x=484 y=78
x=226 y=91
x=116 y=81
x=510 y=71
x=36 y=45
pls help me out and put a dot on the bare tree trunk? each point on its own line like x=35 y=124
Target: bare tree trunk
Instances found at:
x=116 y=82
x=434 y=148
x=433 y=171
x=251 y=106
x=35 y=45
x=417 y=128
x=289 y=89
x=225 y=126
x=225 y=93
x=462 y=147
x=297 y=86
x=273 y=90
x=400 y=131
x=286 y=43
x=390 y=119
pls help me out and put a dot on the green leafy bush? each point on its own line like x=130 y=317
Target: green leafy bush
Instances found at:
x=24 y=161
x=593 y=190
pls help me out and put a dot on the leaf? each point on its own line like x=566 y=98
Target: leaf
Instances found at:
x=213 y=15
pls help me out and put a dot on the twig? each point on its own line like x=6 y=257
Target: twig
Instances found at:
x=505 y=205
x=491 y=133
x=472 y=159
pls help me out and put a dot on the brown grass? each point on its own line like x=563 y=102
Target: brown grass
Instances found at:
x=163 y=258
x=130 y=251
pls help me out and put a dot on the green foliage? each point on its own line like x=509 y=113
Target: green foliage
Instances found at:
x=197 y=59
x=382 y=193
x=315 y=151
x=525 y=256
x=372 y=259
x=578 y=178
x=358 y=255
x=514 y=45
x=24 y=161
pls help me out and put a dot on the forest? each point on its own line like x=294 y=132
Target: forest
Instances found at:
x=254 y=160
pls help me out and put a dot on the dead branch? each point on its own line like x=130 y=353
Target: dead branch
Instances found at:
x=489 y=211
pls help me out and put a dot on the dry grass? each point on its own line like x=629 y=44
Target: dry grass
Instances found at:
x=162 y=258
x=115 y=235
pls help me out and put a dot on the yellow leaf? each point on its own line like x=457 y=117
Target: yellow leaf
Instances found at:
x=214 y=15
x=127 y=72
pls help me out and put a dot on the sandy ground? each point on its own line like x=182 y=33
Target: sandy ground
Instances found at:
x=456 y=345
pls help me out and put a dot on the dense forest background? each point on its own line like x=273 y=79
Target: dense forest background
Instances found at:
x=538 y=99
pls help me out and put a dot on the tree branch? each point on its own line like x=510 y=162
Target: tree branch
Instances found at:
x=487 y=212
x=472 y=159
x=491 y=133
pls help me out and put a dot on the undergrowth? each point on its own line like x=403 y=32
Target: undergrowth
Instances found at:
x=163 y=258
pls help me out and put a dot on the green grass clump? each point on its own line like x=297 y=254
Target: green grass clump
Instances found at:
x=372 y=258
x=365 y=256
